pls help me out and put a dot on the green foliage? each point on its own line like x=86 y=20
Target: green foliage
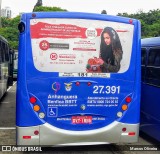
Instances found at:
x=9 y=28
x=11 y=34
x=47 y=9
x=9 y=31
x=7 y=22
x=150 y=22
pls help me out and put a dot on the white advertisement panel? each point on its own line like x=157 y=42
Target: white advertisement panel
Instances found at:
x=81 y=45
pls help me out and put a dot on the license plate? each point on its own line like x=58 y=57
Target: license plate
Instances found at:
x=81 y=119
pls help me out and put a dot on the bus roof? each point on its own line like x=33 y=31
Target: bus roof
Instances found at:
x=150 y=42
x=3 y=39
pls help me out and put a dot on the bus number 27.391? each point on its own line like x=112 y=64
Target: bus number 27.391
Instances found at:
x=106 y=89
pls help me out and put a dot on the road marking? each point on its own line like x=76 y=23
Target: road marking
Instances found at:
x=7 y=128
x=5 y=102
x=11 y=86
x=14 y=83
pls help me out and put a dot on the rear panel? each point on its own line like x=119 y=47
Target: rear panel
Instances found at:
x=74 y=102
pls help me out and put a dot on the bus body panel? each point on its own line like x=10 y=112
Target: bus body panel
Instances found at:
x=112 y=133
x=150 y=115
x=76 y=104
x=5 y=66
x=106 y=111
x=3 y=78
x=15 y=66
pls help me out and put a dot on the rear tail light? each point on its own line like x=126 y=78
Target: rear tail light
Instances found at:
x=77 y=83
x=26 y=137
x=36 y=108
x=33 y=15
x=36 y=132
x=130 y=21
x=124 y=107
x=131 y=133
x=89 y=83
x=128 y=99
x=41 y=115
x=124 y=129
x=32 y=100
x=119 y=114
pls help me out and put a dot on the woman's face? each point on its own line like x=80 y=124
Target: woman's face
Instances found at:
x=107 y=38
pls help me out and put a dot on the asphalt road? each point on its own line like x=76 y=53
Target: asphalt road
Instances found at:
x=8 y=134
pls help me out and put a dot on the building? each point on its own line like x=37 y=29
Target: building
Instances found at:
x=6 y=12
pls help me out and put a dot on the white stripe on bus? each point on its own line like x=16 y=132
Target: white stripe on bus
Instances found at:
x=124 y=134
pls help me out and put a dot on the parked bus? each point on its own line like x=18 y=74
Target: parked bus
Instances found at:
x=5 y=66
x=78 y=79
x=150 y=115
x=15 y=64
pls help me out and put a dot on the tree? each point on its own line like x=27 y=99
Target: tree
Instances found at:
x=9 y=28
x=9 y=31
x=39 y=3
x=48 y=9
x=11 y=34
x=104 y=12
x=150 y=22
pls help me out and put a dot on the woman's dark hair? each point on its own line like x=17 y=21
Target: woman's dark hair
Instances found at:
x=115 y=41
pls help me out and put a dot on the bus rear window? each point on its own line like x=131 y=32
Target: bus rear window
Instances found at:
x=81 y=45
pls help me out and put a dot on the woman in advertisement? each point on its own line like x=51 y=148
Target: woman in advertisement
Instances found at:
x=110 y=50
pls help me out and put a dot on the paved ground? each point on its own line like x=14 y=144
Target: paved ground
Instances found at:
x=8 y=134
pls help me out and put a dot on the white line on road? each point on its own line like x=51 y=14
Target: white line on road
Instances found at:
x=7 y=128
x=5 y=102
x=11 y=86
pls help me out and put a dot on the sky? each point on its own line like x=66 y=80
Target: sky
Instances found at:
x=113 y=7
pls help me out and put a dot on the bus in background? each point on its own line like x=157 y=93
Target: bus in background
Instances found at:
x=66 y=92
x=150 y=87
x=15 y=64
x=6 y=63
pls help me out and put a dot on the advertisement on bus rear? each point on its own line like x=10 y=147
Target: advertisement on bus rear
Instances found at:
x=70 y=46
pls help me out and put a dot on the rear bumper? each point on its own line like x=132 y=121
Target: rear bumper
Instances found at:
x=50 y=135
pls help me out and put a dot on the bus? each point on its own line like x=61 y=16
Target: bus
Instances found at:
x=63 y=95
x=150 y=60
x=15 y=64
x=6 y=63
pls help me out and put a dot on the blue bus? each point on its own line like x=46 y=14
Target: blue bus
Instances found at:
x=67 y=92
x=150 y=115
x=6 y=64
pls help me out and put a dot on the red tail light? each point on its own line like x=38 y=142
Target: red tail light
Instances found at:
x=128 y=99
x=36 y=132
x=33 y=15
x=26 y=137
x=77 y=83
x=32 y=100
x=131 y=21
x=124 y=129
x=131 y=133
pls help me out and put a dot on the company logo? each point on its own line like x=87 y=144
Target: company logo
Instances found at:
x=91 y=33
x=53 y=56
x=44 y=45
x=68 y=86
x=56 y=86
